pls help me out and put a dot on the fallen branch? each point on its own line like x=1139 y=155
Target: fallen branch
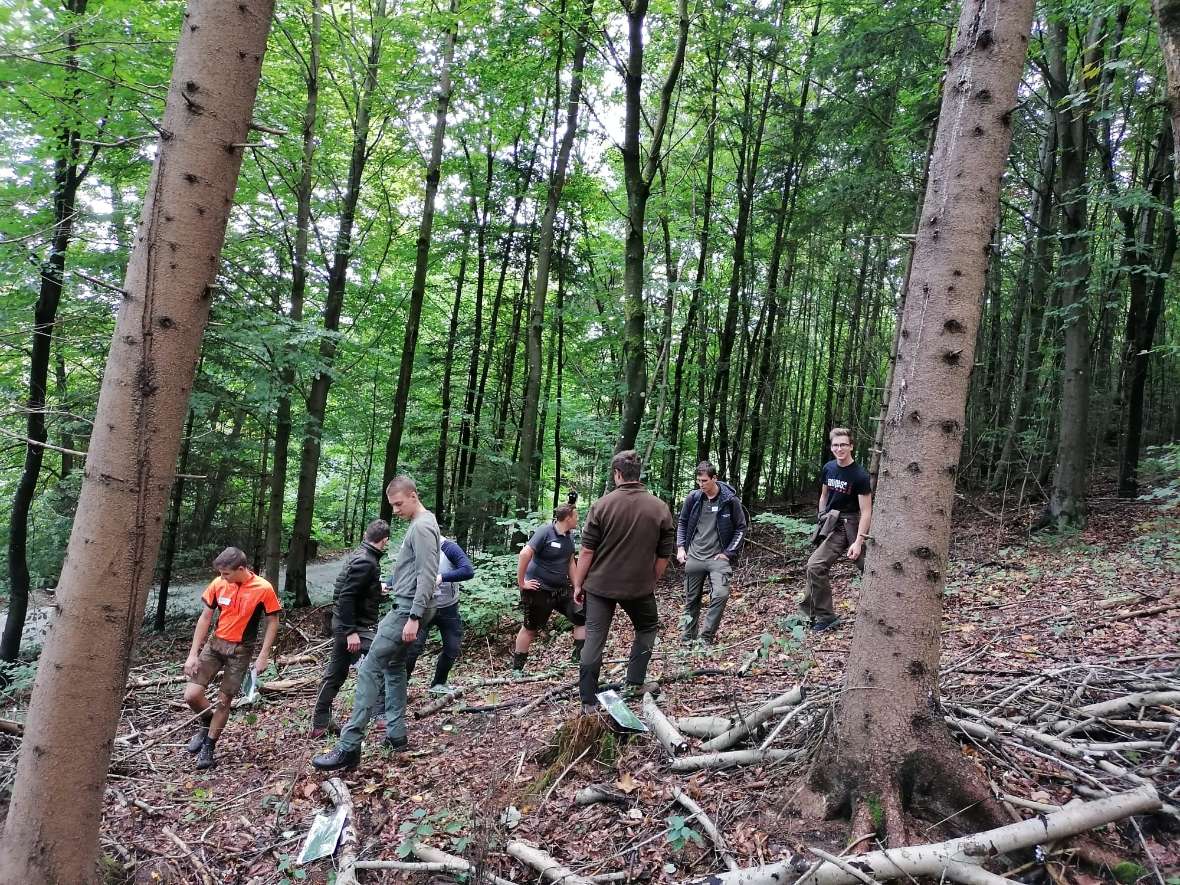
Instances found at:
x=1131 y=702
x=10 y=726
x=708 y=826
x=840 y=862
x=747 y=725
x=731 y=759
x=665 y=732
x=973 y=850
x=198 y=864
x=335 y=790
x=549 y=869
x=438 y=703
x=600 y=793
x=461 y=864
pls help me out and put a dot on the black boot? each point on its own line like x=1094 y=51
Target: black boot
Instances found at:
x=197 y=740
x=205 y=755
x=579 y=644
x=338 y=758
x=519 y=659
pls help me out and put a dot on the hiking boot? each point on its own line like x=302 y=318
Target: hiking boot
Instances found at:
x=395 y=745
x=590 y=709
x=519 y=659
x=318 y=731
x=576 y=654
x=205 y=755
x=337 y=758
x=635 y=690
x=197 y=740
x=441 y=688
x=826 y=624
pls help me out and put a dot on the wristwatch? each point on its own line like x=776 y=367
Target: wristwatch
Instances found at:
x=414 y=617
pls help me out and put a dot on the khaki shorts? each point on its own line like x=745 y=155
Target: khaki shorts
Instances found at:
x=233 y=658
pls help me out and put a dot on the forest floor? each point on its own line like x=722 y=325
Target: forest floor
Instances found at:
x=1030 y=624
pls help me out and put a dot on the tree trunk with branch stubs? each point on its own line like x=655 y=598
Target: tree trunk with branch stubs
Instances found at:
x=889 y=744
x=141 y=409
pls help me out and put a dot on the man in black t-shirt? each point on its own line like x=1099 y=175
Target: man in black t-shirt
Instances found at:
x=544 y=575
x=845 y=514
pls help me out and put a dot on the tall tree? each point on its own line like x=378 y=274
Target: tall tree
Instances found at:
x=639 y=175
x=303 y=194
x=525 y=468
x=401 y=398
x=889 y=744
x=321 y=385
x=132 y=455
x=68 y=172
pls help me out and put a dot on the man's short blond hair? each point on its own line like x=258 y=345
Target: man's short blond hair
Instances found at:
x=839 y=431
x=401 y=483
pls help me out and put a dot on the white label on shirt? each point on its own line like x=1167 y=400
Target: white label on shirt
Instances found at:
x=714 y=509
x=556 y=544
x=224 y=600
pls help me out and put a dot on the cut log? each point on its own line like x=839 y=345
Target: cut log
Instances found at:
x=600 y=793
x=550 y=869
x=704 y=727
x=747 y=725
x=665 y=732
x=973 y=850
x=732 y=758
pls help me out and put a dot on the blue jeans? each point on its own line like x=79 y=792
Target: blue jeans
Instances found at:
x=450 y=628
x=386 y=660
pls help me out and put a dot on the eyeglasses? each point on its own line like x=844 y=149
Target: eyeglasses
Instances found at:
x=841 y=445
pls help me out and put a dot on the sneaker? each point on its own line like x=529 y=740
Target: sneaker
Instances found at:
x=337 y=758
x=825 y=624
x=395 y=745
x=441 y=688
x=197 y=741
x=205 y=756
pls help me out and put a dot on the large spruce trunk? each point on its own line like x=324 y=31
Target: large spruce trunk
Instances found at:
x=888 y=748
x=51 y=830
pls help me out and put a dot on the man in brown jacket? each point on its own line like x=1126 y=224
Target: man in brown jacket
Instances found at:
x=627 y=541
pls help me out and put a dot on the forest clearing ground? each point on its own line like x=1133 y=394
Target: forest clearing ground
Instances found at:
x=1015 y=609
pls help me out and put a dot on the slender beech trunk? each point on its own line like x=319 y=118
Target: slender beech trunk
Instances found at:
x=170 y=539
x=1167 y=15
x=890 y=745
x=525 y=466
x=440 y=464
x=68 y=172
x=401 y=398
x=321 y=385
x=675 y=433
x=1067 y=500
x=638 y=174
x=282 y=441
x=51 y=829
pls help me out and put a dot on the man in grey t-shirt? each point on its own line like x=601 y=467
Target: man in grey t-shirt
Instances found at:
x=413 y=583
x=709 y=534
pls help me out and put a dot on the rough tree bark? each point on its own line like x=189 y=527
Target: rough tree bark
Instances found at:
x=401 y=398
x=132 y=454
x=889 y=744
x=525 y=468
x=638 y=175
x=1167 y=15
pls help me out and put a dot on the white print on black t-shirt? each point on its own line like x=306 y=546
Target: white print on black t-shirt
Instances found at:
x=838 y=485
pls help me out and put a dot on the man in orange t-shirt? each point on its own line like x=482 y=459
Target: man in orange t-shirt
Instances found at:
x=242 y=600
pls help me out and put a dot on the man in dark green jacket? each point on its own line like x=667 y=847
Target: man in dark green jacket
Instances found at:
x=626 y=544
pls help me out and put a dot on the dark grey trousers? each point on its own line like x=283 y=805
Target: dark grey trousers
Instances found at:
x=600 y=611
